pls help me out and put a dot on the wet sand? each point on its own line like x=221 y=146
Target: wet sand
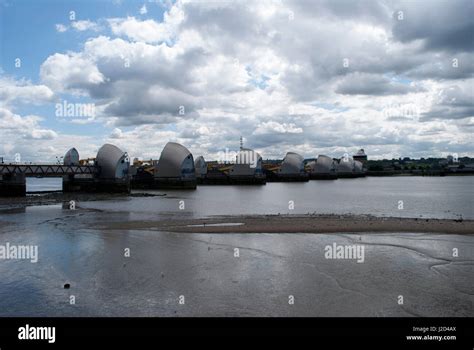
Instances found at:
x=85 y=249
x=298 y=224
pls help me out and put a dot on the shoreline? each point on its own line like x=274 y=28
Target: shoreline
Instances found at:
x=299 y=224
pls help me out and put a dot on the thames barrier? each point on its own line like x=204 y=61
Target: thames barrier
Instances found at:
x=111 y=171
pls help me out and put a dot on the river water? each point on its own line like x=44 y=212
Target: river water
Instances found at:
x=431 y=197
x=183 y=274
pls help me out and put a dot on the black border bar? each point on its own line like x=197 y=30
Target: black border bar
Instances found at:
x=133 y=331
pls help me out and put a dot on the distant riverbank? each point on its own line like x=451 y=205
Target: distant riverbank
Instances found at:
x=418 y=173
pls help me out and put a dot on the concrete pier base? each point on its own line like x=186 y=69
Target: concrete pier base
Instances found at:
x=323 y=176
x=12 y=185
x=88 y=184
x=174 y=183
x=78 y=184
x=350 y=175
x=287 y=177
x=247 y=180
x=232 y=180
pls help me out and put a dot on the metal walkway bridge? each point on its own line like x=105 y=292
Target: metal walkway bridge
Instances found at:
x=46 y=170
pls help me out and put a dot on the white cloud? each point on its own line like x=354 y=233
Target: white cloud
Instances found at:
x=143 y=10
x=34 y=143
x=80 y=26
x=149 y=31
x=61 y=28
x=71 y=71
x=43 y=134
x=146 y=31
x=116 y=134
x=23 y=91
x=272 y=127
x=84 y=25
x=247 y=68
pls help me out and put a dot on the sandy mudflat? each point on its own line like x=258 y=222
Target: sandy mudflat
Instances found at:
x=300 y=224
x=85 y=248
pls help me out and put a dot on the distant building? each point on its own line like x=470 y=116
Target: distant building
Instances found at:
x=450 y=159
x=360 y=156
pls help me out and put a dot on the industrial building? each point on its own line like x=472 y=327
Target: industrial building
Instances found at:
x=360 y=156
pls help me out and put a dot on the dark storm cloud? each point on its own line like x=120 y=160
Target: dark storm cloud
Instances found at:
x=442 y=25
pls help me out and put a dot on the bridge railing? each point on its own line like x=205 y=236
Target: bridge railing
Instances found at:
x=46 y=170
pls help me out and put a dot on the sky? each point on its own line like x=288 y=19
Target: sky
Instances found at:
x=313 y=77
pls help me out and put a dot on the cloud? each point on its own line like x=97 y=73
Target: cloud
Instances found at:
x=453 y=102
x=143 y=10
x=70 y=71
x=148 y=31
x=272 y=127
x=314 y=77
x=35 y=143
x=80 y=26
x=85 y=25
x=41 y=134
x=116 y=134
x=23 y=91
x=61 y=28
x=371 y=84
x=440 y=25
x=26 y=127
x=20 y=134
x=12 y=121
